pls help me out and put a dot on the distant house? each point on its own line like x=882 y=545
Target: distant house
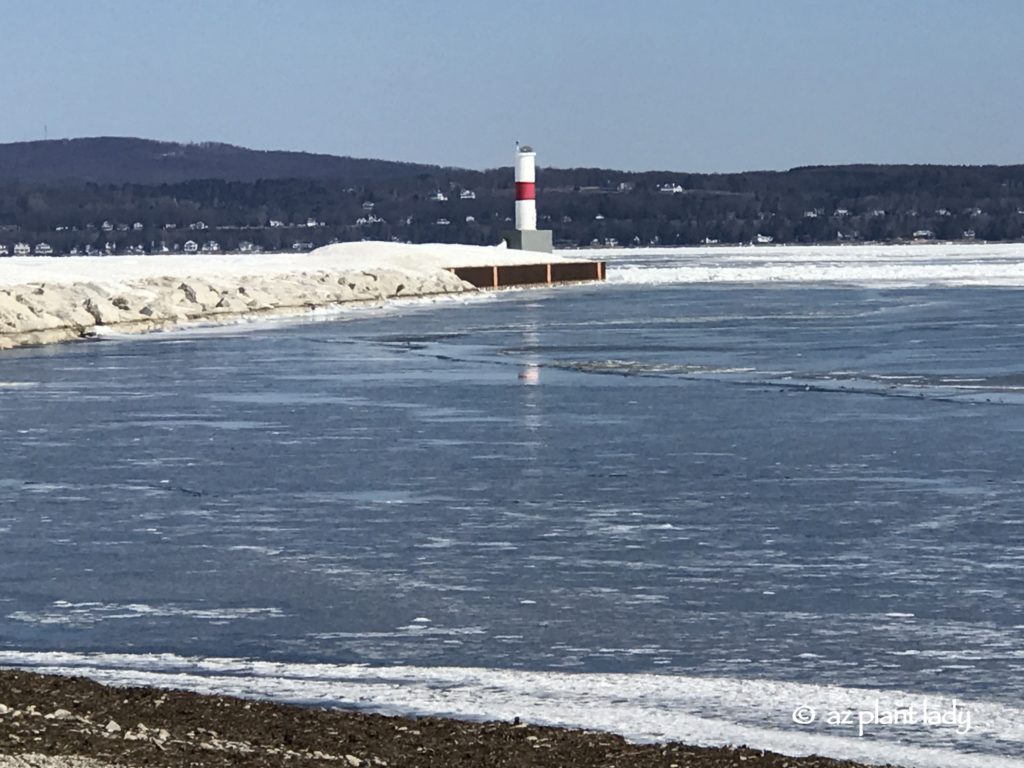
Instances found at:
x=137 y=226
x=44 y=249
x=73 y=252
x=467 y=194
x=191 y=247
x=438 y=197
x=275 y=223
x=302 y=246
x=943 y=212
x=599 y=217
x=3 y=250
x=368 y=205
x=924 y=234
x=210 y=246
x=470 y=219
x=764 y=239
x=670 y=189
x=246 y=247
x=122 y=227
x=878 y=213
x=969 y=234
x=106 y=226
x=442 y=222
x=841 y=213
x=810 y=214
x=198 y=225
x=311 y=222
x=22 y=249
x=170 y=226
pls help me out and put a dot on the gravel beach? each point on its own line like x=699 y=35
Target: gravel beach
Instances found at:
x=68 y=722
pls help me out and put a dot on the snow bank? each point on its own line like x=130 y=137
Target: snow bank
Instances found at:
x=55 y=299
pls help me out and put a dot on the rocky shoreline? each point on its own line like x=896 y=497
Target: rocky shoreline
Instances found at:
x=43 y=313
x=72 y=722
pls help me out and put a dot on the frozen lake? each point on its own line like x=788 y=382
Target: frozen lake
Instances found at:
x=711 y=503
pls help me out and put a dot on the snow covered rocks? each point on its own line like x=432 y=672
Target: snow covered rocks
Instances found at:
x=49 y=300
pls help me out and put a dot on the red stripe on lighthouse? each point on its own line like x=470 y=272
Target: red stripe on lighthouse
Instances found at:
x=526 y=190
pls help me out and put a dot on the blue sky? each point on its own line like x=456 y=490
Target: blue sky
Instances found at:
x=718 y=85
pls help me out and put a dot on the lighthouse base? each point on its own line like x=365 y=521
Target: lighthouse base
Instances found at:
x=537 y=240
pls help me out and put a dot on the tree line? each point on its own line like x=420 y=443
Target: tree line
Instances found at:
x=583 y=206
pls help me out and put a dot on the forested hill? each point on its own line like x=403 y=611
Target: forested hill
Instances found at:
x=107 y=160
x=131 y=195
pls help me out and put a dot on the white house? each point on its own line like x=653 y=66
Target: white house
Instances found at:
x=368 y=205
x=467 y=194
x=137 y=226
x=43 y=249
x=210 y=246
x=3 y=250
x=22 y=249
x=275 y=223
x=438 y=197
x=764 y=239
x=106 y=226
x=191 y=247
x=670 y=189
x=470 y=219
x=924 y=234
x=442 y=222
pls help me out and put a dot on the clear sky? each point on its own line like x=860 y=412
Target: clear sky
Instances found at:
x=715 y=85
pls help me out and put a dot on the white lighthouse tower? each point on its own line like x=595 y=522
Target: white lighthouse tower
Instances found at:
x=526 y=188
x=526 y=236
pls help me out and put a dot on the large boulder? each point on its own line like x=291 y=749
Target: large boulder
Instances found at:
x=102 y=310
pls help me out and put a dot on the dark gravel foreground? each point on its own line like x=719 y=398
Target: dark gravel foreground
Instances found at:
x=71 y=716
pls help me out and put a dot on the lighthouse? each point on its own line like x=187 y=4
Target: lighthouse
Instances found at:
x=526 y=236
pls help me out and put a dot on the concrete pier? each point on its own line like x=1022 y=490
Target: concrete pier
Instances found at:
x=543 y=273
